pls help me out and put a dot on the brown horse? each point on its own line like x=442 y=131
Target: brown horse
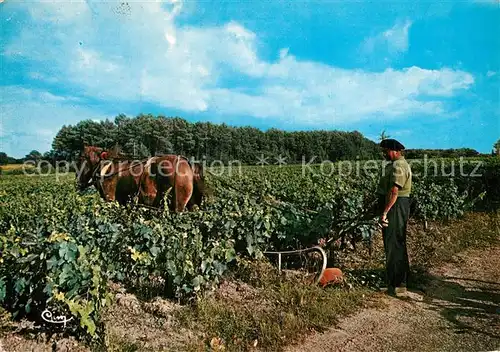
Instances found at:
x=149 y=180
x=116 y=180
x=173 y=174
x=199 y=188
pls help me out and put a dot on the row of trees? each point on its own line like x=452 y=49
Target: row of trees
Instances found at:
x=440 y=153
x=5 y=159
x=33 y=155
x=147 y=135
x=449 y=153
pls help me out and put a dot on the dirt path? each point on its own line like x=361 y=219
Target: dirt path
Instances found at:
x=459 y=310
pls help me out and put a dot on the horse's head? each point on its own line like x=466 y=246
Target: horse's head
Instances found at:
x=87 y=164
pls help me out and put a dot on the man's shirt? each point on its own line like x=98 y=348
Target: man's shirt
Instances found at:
x=396 y=173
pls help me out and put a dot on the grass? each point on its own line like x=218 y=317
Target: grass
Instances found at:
x=13 y=167
x=16 y=169
x=265 y=309
x=280 y=310
x=9 y=167
x=444 y=239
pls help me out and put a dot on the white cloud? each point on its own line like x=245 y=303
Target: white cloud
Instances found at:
x=138 y=52
x=284 y=52
x=171 y=39
x=239 y=31
x=397 y=37
x=389 y=43
x=490 y=73
x=318 y=94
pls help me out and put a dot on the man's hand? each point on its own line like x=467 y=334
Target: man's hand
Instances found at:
x=383 y=220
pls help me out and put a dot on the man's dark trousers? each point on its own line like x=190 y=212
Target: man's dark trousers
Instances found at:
x=394 y=235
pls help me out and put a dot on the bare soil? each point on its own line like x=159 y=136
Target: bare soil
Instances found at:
x=458 y=309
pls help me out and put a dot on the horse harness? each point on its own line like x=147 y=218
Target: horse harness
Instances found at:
x=97 y=171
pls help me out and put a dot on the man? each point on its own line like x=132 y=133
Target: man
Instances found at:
x=394 y=201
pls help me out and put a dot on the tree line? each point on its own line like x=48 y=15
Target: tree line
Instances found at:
x=440 y=153
x=33 y=155
x=147 y=135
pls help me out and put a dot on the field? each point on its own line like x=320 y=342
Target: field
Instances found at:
x=11 y=168
x=61 y=250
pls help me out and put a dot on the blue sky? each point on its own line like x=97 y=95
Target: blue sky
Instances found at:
x=427 y=72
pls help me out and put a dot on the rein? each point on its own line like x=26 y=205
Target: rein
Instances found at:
x=91 y=181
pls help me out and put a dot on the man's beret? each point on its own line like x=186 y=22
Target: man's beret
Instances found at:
x=392 y=144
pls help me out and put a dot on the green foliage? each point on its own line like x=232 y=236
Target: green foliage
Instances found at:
x=496 y=147
x=435 y=201
x=477 y=179
x=59 y=248
x=34 y=155
x=441 y=153
x=42 y=264
x=383 y=136
x=5 y=159
x=147 y=135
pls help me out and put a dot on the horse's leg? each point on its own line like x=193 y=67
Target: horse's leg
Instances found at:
x=120 y=192
x=126 y=187
x=166 y=183
x=148 y=183
x=108 y=190
x=110 y=184
x=183 y=186
x=173 y=200
x=100 y=190
x=182 y=195
x=148 y=190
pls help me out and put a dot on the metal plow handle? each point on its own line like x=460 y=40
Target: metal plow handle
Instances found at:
x=299 y=251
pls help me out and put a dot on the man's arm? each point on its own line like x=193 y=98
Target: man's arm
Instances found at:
x=398 y=179
x=392 y=196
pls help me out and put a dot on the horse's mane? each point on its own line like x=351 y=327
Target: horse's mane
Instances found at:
x=91 y=148
x=113 y=153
